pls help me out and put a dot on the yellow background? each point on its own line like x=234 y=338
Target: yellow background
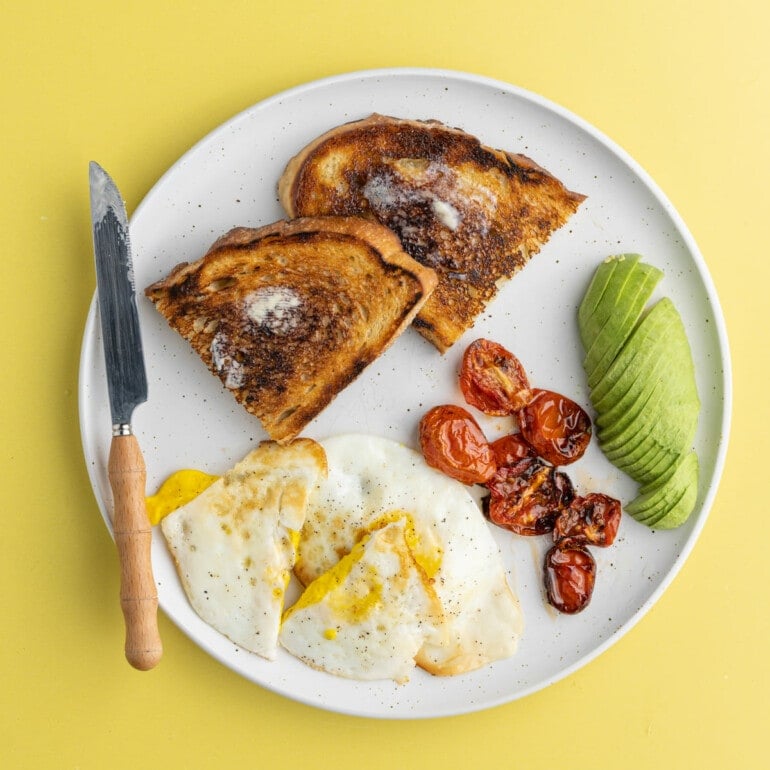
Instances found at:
x=683 y=85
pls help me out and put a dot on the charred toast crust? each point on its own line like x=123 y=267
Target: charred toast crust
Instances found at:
x=472 y=213
x=289 y=314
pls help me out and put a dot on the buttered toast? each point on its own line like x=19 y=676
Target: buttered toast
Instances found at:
x=473 y=214
x=287 y=315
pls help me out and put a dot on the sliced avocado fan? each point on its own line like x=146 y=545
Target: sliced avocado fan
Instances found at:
x=642 y=385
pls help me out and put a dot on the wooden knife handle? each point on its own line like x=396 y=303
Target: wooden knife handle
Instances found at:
x=133 y=536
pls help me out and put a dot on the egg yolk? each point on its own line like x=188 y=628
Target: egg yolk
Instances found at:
x=177 y=490
x=359 y=600
x=327 y=582
x=427 y=558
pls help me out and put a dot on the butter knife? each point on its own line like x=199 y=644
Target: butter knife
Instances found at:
x=127 y=386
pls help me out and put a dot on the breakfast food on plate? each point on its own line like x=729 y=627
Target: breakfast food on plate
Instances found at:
x=527 y=494
x=398 y=564
x=472 y=213
x=453 y=573
x=557 y=428
x=234 y=544
x=569 y=576
x=642 y=378
x=178 y=489
x=287 y=315
x=453 y=443
x=612 y=307
x=369 y=615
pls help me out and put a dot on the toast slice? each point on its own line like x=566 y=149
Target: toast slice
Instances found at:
x=289 y=314
x=473 y=214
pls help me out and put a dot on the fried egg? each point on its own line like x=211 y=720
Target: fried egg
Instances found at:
x=369 y=479
x=368 y=616
x=234 y=545
x=179 y=488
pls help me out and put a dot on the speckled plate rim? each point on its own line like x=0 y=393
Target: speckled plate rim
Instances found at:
x=90 y=349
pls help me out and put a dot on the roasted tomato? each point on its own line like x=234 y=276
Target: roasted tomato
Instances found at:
x=527 y=497
x=510 y=449
x=492 y=379
x=453 y=443
x=569 y=575
x=593 y=519
x=555 y=426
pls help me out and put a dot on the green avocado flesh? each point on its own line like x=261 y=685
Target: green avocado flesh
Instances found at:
x=657 y=470
x=679 y=513
x=640 y=354
x=595 y=292
x=642 y=385
x=674 y=429
x=607 y=284
x=657 y=347
x=641 y=392
x=628 y=308
x=667 y=503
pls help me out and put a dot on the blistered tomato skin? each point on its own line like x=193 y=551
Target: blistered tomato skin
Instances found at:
x=492 y=379
x=557 y=428
x=569 y=575
x=593 y=519
x=453 y=443
x=527 y=497
x=510 y=449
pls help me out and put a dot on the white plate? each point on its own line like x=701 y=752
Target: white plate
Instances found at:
x=229 y=179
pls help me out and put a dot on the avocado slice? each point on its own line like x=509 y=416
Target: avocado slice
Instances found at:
x=666 y=409
x=651 y=361
x=661 y=500
x=674 y=431
x=647 y=390
x=658 y=465
x=628 y=455
x=657 y=472
x=648 y=454
x=611 y=277
x=644 y=394
x=685 y=467
x=661 y=510
x=638 y=394
x=621 y=322
x=679 y=513
x=675 y=513
x=595 y=291
x=642 y=385
x=645 y=458
x=670 y=406
x=644 y=343
x=637 y=469
x=669 y=419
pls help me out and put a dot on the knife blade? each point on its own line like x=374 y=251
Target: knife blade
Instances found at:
x=127 y=389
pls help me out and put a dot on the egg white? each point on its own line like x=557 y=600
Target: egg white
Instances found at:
x=369 y=479
x=234 y=545
x=368 y=617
